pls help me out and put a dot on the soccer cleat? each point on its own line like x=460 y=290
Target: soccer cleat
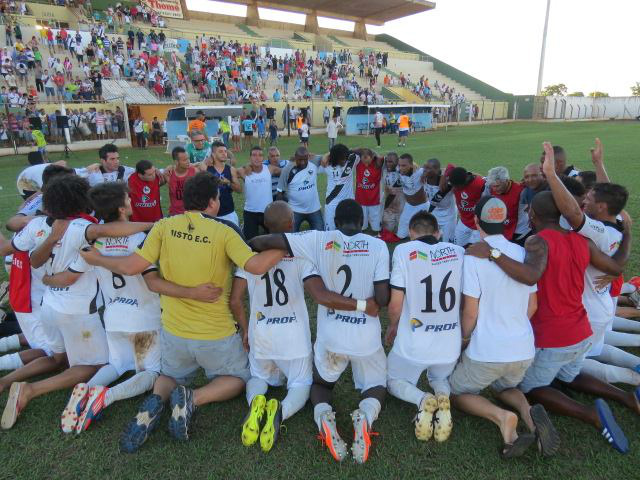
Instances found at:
x=611 y=431
x=443 y=424
x=330 y=437
x=11 y=409
x=140 y=427
x=251 y=424
x=361 y=436
x=74 y=408
x=94 y=408
x=424 y=418
x=271 y=428
x=635 y=298
x=182 y=410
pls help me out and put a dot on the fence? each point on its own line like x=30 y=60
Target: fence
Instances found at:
x=581 y=108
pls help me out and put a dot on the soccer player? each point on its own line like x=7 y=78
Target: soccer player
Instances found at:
x=468 y=188
x=273 y=158
x=424 y=323
x=278 y=333
x=299 y=183
x=404 y=125
x=340 y=168
x=502 y=187
x=556 y=259
x=110 y=169
x=441 y=202
x=176 y=177
x=413 y=190
x=499 y=342
x=394 y=199
x=144 y=190
x=69 y=304
x=227 y=176
x=368 y=178
x=343 y=337
x=194 y=334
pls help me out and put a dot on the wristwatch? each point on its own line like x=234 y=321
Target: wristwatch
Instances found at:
x=494 y=254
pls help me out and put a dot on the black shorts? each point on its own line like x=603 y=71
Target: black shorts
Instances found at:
x=248 y=134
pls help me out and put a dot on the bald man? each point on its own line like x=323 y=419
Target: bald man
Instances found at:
x=534 y=183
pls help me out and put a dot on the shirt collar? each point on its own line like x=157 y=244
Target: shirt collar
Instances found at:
x=428 y=239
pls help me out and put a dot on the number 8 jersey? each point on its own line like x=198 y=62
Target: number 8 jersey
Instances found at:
x=348 y=265
x=430 y=274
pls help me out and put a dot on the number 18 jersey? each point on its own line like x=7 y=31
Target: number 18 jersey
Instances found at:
x=279 y=321
x=348 y=265
x=430 y=274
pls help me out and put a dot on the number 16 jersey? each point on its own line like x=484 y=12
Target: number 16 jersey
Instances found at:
x=348 y=265
x=430 y=274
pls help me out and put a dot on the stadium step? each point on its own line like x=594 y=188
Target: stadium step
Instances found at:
x=247 y=30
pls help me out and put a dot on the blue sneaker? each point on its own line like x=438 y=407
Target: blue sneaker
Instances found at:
x=611 y=431
x=182 y=410
x=141 y=426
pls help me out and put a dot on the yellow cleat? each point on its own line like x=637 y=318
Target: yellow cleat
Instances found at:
x=424 y=418
x=251 y=425
x=271 y=428
x=443 y=421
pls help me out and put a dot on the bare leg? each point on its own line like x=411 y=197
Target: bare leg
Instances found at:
x=30 y=355
x=218 y=390
x=67 y=379
x=479 y=406
x=557 y=402
x=163 y=387
x=37 y=367
x=587 y=384
x=516 y=399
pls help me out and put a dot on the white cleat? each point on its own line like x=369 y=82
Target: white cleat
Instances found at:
x=361 y=436
x=75 y=407
x=443 y=421
x=424 y=418
x=330 y=436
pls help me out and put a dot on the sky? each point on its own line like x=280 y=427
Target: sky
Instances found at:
x=499 y=41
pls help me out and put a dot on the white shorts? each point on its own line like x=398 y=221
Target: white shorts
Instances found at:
x=409 y=211
x=372 y=216
x=297 y=372
x=400 y=368
x=231 y=217
x=597 y=338
x=368 y=371
x=33 y=330
x=100 y=129
x=464 y=235
x=329 y=217
x=81 y=336
x=136 y=351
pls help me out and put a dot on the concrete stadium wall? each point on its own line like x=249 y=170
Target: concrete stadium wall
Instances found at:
x=576 y=108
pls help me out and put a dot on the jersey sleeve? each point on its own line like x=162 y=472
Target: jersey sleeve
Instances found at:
x=470 y=280
x=24 y=240
x=240 y=273
x=381 y=273
x=150 y=249
x=398 y=271
x=594 y=230
x=316 y=159
x=303 y=244
x=307 y=270
x=79 y=265
x=238 y=251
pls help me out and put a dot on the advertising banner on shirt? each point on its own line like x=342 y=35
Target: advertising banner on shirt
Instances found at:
x=165 y=8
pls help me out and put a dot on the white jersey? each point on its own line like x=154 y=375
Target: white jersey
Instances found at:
x=129 y=304
x=340 y=180
x=30 y=179
x=503 y=331
x=392 y=179
x=31 y=206
x=445 y=209
x=349 y=266
x=598 y=302
x=411 y=183
x=257 y=190
x=279 y=321
x=82 y=296
x=27 y=240
x=121 y=174
x=301 y=186
x=430 y=274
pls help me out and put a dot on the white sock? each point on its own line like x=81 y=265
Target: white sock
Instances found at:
x=9 y=343
x=140 y=383
x=626 y=325
x=255 y=386
x=610 y=373
x=104 y=377
x=405 y=391
x=318 y=410
x=296 y=399
x=619 y=339
x=627 y=288
x=618 y=357
x=11 y=361
x=371 y=408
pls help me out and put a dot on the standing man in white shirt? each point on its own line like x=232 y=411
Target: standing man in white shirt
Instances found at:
x=378 y=121
x=499 y=341
x=333 y=126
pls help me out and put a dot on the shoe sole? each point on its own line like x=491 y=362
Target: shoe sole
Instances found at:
x=269 y=433
x=617 y=439
x=424 y=423
x=10 y=413
x=332 y=441
x=70 y=417
x=443 y=425
x=87 y=417
x=545 y=431
x=361 y=441
x=135 y=434
x=178 y=420
x=251 y=426
x=520 y=446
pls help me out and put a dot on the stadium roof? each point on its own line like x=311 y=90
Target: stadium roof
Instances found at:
x=374 y=12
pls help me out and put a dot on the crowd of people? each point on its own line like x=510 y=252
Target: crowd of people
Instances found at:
x=497 y=284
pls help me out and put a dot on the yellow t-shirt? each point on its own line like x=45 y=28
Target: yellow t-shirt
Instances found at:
x=192 y=249
x=403 y=122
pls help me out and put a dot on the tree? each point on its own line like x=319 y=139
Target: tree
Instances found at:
x=598 y=94
x=551 y=90
x=576 y=94
x=635 y=90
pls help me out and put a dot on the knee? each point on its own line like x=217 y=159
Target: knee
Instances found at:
x=318 y=381
x=379 y=393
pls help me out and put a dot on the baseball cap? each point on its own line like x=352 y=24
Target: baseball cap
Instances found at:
x=491 y=213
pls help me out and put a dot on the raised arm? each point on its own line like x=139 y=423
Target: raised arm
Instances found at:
x=116 y=229
x=127 y=265
x=566 y=203
x=318 y=291
x=597 y=157
x=206 y=292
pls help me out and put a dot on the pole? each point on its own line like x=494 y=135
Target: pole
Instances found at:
x=288 y=120
x=544 y=47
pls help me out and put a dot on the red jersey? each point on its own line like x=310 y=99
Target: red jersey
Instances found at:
x=145 y=199
x=466 y=199
x=561 y=319
x=368 y=184
x=176 y=187
x=20 y=283
x=512 y=200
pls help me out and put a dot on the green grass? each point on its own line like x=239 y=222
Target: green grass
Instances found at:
x=35 y=448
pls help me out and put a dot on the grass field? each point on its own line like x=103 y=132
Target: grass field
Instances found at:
x=35 y=448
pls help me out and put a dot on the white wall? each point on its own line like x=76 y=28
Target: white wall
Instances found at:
x=586 y=107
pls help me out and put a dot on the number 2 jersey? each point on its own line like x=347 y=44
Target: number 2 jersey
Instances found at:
x=129 y=304
x=430 y=274
x=350 y=266
x=279 y=321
